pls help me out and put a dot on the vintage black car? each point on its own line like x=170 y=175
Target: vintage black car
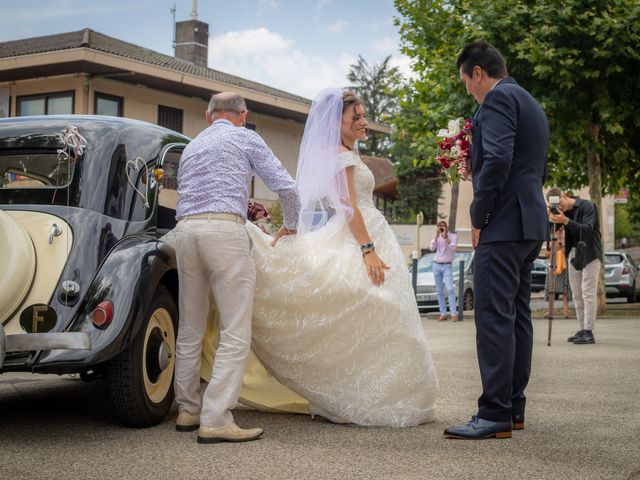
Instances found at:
x=87 y=285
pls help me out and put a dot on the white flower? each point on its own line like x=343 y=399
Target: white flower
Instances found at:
x=453 y=128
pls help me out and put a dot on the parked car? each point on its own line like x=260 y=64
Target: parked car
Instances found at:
x=426 y=295
x=87 y=285
x=539 y=275
x=621 y=276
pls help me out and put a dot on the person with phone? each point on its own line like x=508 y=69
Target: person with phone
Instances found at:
x=444 y=244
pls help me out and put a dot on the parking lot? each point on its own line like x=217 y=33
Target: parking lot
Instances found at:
x=582 y=423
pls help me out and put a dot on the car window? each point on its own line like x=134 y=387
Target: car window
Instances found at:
x=425 y=264
x=39 y=170
x=168 y=195
x=613 y=258
x=539 y=265
x=632 y=261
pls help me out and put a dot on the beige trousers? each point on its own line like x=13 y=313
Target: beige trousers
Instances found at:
x=213 y=255
x=584 y=285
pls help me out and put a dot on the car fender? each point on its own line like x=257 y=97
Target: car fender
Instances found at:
x=128 y=277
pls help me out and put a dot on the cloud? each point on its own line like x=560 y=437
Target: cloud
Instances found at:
x=404 y=65
x=275 y=4
x=337 y=26
x=385 y=46
x=269 y=58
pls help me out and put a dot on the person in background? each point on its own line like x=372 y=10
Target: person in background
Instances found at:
x=581 y=224
x=444 y=244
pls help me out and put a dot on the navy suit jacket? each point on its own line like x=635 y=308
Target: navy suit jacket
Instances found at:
x=509 y=166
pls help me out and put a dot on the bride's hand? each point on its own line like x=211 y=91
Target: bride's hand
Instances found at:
x=282 y=231
x=375 y=268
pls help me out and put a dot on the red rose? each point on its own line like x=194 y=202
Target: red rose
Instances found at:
x=444 y=161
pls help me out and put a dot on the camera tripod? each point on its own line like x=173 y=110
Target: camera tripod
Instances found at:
x=551 y=276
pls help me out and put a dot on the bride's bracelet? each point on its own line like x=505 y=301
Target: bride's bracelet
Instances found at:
x=367 y=248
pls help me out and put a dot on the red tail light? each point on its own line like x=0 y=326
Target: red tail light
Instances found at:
x=102 y=314
x=626 y=269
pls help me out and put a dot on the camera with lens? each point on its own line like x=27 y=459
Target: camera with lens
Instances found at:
x=554 y=201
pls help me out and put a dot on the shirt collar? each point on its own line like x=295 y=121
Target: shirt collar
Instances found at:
x=222 y=120
x=494 y=85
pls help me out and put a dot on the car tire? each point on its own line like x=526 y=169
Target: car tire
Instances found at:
x=468 y=300
x=140 y=379
x=633 y=294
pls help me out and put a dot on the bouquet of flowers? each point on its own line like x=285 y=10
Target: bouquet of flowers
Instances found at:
x=455 y=149
x=257 y=213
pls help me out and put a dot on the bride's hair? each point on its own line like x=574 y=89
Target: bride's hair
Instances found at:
x=350 y=100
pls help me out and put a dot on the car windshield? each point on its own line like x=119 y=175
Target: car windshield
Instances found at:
x=613 y=258
x=34 y=170
x=425 y=264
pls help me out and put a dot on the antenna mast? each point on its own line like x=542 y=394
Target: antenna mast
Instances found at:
x=194 y=9
x=173 y=14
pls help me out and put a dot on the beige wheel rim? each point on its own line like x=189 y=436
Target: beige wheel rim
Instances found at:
x=158 y=388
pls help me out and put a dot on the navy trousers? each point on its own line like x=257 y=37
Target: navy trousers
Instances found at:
x=504 y=334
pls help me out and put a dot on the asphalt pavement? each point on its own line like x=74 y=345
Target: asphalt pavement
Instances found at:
x=582 y=423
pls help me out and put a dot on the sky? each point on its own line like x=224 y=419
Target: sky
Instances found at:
x=300 y=46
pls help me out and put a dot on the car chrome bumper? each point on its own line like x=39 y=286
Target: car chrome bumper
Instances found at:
x=43 y=341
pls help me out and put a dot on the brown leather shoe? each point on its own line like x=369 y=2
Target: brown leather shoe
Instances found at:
x=228 y=433
x=517 y=421
x=187 y=422
x=442 y=318
x=454 y=318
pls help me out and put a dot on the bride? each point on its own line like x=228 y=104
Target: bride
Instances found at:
x=335 y=319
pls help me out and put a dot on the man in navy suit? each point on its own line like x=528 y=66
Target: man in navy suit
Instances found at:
x=509 y=223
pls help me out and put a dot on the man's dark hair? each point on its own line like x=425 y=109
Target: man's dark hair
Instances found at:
x=482 y=55
x=554 y=192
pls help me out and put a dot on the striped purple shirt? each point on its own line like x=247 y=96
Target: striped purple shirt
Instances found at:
x=216 y=168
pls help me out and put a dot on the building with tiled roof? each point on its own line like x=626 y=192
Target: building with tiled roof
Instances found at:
x=87 y=72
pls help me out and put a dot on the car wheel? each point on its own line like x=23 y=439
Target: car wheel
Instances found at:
x=468 y=300
x=633 y=294
x=140 y=379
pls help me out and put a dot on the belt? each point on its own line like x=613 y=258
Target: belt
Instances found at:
x=442 y=263
x=231 y=217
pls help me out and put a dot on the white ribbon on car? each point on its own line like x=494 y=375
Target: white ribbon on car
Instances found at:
x=74 y=143
x=138 y=163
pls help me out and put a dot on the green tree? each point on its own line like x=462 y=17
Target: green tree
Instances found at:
x=378 y=86
x=433 y=33
x=419 y=184
x=579 y=58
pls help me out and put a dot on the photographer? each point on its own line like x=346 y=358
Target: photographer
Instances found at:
x=583 y=247
x=444 y=244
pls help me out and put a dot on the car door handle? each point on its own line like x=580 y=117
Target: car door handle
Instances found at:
x=55 y=232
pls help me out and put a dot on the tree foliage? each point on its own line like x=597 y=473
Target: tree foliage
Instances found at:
x=378 y=86
x=579 y=58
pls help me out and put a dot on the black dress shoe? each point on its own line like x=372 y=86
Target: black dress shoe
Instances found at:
x=517 y=421
x=585 y=339
x=477 y=429
x=576 y=335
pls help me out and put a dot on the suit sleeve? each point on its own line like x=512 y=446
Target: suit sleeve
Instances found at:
x=499 y=125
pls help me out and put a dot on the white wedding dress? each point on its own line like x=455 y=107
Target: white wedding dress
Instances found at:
x=356 y=352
